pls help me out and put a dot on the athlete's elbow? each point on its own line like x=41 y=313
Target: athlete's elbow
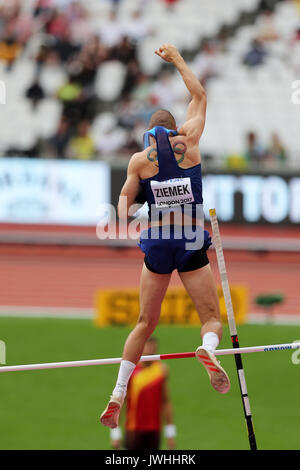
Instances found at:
x=200 y=95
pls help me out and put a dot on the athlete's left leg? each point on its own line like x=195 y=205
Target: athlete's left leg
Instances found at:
x=152 y=291
x=200 y=285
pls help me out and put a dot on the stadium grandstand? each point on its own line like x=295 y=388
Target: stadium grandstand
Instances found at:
x=82 y=81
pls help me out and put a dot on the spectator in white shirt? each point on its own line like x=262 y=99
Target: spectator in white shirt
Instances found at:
x=206 y=63
x=163 y=92
x=80 y=28
x=111 y=31
x=136 y=28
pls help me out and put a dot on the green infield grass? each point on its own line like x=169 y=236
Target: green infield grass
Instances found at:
x=59 y=409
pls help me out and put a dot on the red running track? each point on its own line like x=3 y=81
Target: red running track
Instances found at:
x=37 y=276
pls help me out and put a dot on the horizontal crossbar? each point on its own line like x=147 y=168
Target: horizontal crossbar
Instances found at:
x=156 y=357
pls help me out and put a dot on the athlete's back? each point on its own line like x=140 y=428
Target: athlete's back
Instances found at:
x=188 y=155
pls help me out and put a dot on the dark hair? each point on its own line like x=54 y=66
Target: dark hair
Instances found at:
x=163 y=118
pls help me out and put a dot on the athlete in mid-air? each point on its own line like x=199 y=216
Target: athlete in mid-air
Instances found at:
x=168 y=173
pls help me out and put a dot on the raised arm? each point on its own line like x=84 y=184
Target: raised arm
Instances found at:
x=194 y=125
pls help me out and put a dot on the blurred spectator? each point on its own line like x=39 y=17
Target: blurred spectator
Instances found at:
x=115 y=5
x=127 y=113
x=294 y=51
x=142 y=4
x=85 y=64
x=70 y=91
x=131 y=78
x=80 y=29
x=142 y=89
x=70 y=94
x=69 y=42
x=58 y=143
x=20 y=25
x=43 y=8
x=221 y=39
x=296 y=36
x=63 y=46
x=297 y=3
x=254 y=151
x=74 y=10
x=206 y=63
x=125 y=51
x=35 y=93
x=256 y=54
x=276 y=152
x=57 y=24
x=111 y=31
x=147 y=108
x=266 y=28
x=10 y=49
x=162 y=91
x=170 y=4
x=136 y=28
x=44 y=56
x=267 y=5
x=82 y=146
x=10 y=7
x=236 y=162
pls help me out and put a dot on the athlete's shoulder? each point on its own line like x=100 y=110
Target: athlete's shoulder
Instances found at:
x=187 y=147
x=136 y=161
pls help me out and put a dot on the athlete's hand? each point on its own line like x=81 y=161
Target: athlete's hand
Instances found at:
x=168 y=53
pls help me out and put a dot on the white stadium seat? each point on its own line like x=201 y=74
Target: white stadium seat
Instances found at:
x=110 y=79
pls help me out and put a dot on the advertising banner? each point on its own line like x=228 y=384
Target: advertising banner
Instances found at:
x=243 y=198
x=121 y=306
x=53 y=191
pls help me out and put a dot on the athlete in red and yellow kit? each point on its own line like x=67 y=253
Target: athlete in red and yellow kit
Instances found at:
x=148 y=407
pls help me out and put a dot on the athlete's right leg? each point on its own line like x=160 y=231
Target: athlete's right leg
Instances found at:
x=152 y=291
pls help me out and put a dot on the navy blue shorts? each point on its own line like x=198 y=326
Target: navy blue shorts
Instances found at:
x=162 y=256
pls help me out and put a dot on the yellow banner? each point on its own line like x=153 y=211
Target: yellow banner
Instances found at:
x=121 y=306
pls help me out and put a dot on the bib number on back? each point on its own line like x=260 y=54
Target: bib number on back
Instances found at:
x=173 y=192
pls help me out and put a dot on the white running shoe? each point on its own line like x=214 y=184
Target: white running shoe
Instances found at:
x=110 y=416
x=217 y=375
